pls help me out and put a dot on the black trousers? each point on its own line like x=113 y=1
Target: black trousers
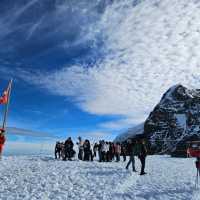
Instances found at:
x=57 y=154
x=68 y=154
x=80 y=154
x=86 y=155
x=143 y=161
x=117 y=157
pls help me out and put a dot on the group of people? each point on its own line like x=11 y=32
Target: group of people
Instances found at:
x=104 y=151
x=65 y=150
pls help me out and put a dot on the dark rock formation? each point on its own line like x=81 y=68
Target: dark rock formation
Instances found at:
x=174 y=121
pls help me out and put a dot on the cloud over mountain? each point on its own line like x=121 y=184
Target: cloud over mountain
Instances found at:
x=147 y=48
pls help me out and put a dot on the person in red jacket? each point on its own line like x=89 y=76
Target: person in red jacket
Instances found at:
x=2 y=141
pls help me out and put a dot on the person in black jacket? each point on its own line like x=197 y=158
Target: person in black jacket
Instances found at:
x=142 y=155
x=133 y=150
x=69 y=149
x=87 y=150
x=123 y=151
x=99 y=151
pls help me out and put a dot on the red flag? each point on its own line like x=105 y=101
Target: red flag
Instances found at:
x=4 y=97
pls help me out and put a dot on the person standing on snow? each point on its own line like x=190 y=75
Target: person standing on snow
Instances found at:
x=95 y=149
x=68 y=149
x=80 y=148
x=87 y=150
x=142 y=149
x=117 y=151
x=100 y=151
x=133 y=151
x=123 y=149
x=107 y=151
x=58 y=150
x=103 y=151
x=2 y=141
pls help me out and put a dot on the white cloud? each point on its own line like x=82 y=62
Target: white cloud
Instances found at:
x=120 y=124
x=148 y=48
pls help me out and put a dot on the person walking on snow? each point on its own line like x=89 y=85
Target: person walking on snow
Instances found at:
x=142 y=155
x=58 y=150
x=133 y=151
x=2 y=141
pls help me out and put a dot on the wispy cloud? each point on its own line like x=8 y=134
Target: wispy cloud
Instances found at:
x=35 y=22
x=145 y=53
x=143 y=59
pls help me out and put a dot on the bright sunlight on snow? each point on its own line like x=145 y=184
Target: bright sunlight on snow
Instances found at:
x=44 y=178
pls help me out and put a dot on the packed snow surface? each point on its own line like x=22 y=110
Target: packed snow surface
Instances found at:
x=24 y=177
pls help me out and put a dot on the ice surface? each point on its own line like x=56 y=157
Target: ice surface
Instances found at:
x=24 y=177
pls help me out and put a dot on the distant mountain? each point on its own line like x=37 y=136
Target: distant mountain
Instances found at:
x=174 y=121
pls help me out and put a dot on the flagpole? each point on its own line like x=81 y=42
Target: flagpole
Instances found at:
x=7 y=105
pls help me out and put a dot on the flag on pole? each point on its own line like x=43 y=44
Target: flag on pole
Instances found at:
x=5 y=99
x=5 y=96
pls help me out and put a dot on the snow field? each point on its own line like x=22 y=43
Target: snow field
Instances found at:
x=31 y=178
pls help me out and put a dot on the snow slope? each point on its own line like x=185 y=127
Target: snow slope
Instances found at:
x=136 y=130
x=44 y=178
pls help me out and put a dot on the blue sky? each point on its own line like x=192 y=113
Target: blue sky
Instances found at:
x=94 y=68
x=42 y=38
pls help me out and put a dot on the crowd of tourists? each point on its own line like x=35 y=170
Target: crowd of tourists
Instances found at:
x=103 y=151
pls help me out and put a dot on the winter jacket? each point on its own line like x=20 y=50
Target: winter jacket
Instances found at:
x=2 y=139
x=117 y=149
x=69 y=145
x=142 y=150
x=86 y=146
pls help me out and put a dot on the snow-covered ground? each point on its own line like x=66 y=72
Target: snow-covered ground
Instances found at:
x=24 y=177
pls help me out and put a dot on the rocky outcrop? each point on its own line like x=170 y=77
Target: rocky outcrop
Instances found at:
x=174 y=121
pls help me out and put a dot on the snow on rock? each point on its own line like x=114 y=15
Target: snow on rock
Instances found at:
x=137 y=130
x=31 y=178
x=174 y=120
